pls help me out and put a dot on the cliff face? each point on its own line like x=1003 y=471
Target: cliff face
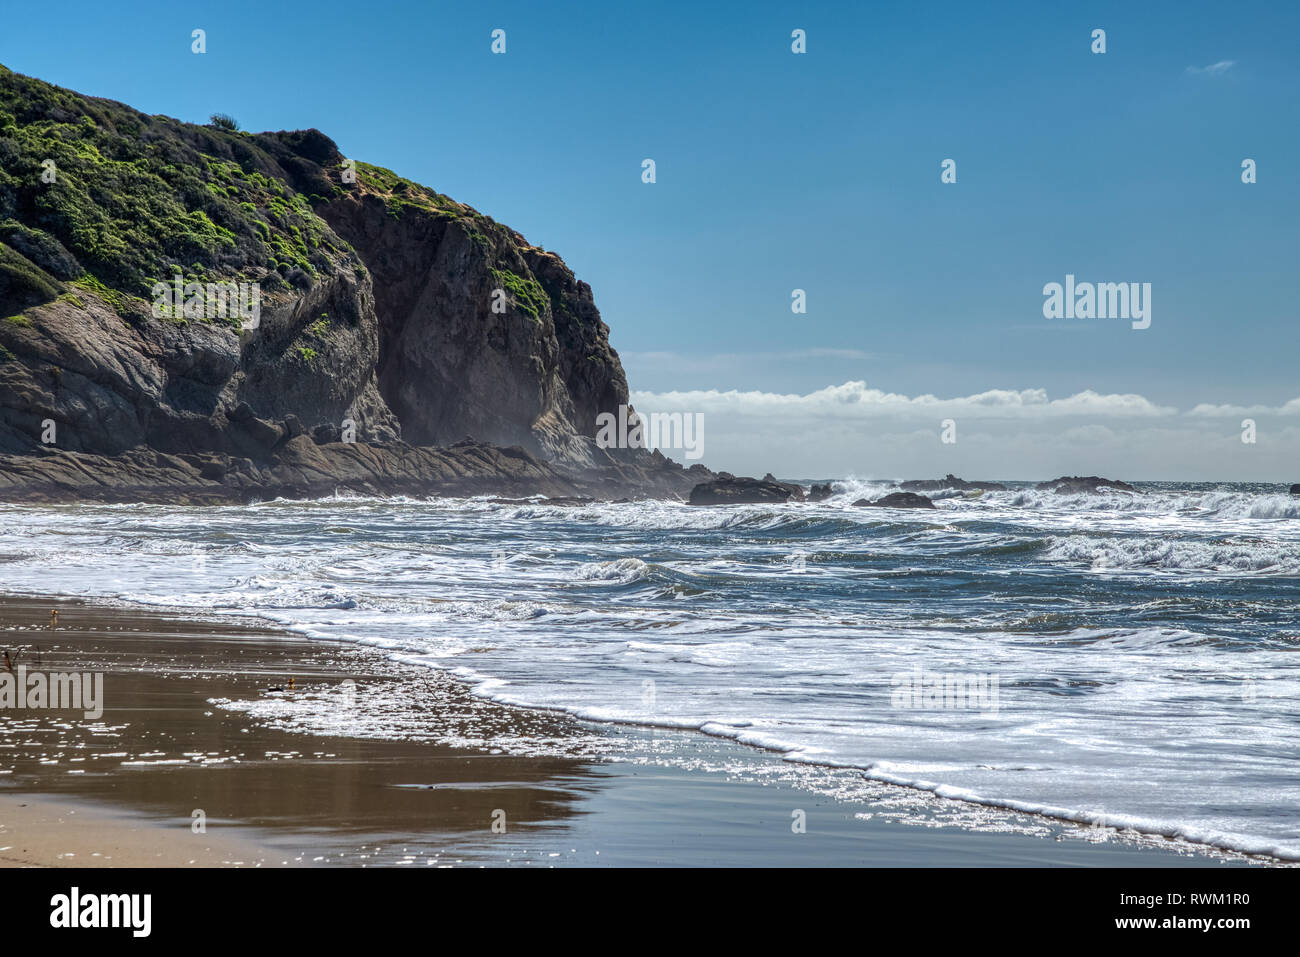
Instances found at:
x=480 y=333
x=385 y=307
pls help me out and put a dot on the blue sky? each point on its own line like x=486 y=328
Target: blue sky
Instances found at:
x=821 y=171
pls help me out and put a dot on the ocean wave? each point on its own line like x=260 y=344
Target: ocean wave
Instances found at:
x=1205 y=506
x=1238 y=505
x=1170 y=554
x=1176 y=830
x=619 y=570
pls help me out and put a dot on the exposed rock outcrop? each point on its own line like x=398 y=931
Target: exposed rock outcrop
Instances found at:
x=897 y=500
x=1083 y=484
x=745 y=491
x=819 y=493
x=947 y=482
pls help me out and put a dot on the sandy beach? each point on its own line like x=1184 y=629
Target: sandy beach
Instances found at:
x=167 y=778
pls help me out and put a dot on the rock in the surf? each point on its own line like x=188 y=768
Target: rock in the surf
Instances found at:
x=1080 y=484
x=949 y=481
x=897 y=500
x=745 y=491
x=819 y=493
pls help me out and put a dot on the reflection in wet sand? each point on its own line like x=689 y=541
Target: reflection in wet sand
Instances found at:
x=161 y=746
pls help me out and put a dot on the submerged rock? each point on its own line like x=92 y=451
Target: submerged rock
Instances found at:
x=897 y=500
x=1080 y=484
x=745 y=491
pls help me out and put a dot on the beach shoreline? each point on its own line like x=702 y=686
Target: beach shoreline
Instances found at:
x=301 y=777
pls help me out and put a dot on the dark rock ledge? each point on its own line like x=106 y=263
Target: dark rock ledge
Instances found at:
x=300 y=468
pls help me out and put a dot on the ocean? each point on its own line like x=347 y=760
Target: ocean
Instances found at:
x=1114 y=659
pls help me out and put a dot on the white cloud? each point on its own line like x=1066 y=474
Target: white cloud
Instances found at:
x=1214 y=69
x=856 y=400
x=1208 y=410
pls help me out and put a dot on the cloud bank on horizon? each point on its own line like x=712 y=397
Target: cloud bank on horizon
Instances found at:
x=853 y=430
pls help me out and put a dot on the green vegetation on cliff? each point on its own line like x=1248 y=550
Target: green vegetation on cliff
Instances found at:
x=527 y=294
x=96 y=193
x=399 y=193
x=92 y=187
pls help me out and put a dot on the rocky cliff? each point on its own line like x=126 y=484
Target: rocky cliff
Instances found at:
x=387 y=315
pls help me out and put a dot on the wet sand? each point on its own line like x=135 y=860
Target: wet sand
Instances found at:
x=40 y=830
x=165 y=777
